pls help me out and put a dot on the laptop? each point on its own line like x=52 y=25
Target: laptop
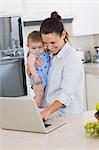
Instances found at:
x=22 y=114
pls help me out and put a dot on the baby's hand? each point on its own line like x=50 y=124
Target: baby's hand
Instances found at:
x=37 y=80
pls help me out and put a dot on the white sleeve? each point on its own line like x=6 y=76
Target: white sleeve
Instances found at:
x=72 y=74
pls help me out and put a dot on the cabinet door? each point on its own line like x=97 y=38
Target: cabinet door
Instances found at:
x=1 y=6
x=11 y=7
x=98 y=16
x=92 y=90
x=86 y=17
x=41 y=9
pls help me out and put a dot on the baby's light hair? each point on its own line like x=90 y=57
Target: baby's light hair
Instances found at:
x=34 y=36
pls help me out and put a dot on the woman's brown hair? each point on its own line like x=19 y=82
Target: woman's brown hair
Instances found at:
x=54 y=24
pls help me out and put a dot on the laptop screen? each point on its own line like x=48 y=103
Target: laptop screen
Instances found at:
x=12 y=64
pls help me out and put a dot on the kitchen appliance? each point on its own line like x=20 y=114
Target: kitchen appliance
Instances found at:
x=10 y=32
x=12 y=65
x=84 y=55
x=12 y=78
x=96 y=55
x=87 y=56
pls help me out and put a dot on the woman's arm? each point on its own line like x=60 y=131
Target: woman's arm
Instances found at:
x=51 y=109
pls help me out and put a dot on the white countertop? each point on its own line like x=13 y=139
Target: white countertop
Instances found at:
x=70 y=136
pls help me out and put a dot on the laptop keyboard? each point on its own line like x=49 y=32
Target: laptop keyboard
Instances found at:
x=46 y=124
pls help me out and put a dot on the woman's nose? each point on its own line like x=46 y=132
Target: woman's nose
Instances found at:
x=49 y=46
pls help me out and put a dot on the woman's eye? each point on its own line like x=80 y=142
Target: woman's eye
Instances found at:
x=52 y=43
x=39 y=47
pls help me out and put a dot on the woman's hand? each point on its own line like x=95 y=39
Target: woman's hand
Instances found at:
x=45 y=114
x=51 y=109
x=38 y=62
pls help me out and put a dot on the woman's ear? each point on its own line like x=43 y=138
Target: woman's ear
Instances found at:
x=63 y=34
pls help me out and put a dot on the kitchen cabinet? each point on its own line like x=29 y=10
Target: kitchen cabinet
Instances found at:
x=10 y=7
x=92 y=90
x=41 y=9
x=98 y=16
x=86 y=17
x=84 y=12
x=1 y=6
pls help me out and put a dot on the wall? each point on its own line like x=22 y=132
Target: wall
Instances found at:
x=96 y=40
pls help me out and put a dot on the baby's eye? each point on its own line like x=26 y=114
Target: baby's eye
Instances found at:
x=33 y=48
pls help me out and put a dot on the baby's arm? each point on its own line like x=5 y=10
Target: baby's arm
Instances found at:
x=28 y=70
x=32 y=69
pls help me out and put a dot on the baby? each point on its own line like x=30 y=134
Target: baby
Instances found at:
x=38 y=76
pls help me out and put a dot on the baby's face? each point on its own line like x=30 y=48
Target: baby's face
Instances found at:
x=36 y=47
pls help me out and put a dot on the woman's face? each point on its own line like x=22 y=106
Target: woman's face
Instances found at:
x=53 y=41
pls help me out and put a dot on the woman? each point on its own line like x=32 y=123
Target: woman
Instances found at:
x=65 y=78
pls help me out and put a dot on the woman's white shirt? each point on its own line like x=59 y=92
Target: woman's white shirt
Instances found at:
x=65 y=81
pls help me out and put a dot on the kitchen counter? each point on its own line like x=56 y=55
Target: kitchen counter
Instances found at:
x=92 y=68
x=70 y=136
